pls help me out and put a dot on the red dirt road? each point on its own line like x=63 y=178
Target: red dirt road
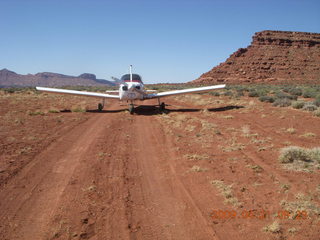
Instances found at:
x=111 y=177
x=122 y=176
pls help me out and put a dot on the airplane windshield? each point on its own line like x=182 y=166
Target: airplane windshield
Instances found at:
x=135 y=78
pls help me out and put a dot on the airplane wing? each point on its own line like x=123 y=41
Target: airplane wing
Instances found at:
x=74 y=92
x=184 y=91
x=112 y=91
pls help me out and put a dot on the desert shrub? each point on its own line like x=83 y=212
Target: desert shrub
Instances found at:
x=253 y=93
x=78 y=109
x=315 y=154
x=239 y=93
x=309 y=106
x=228 y=93
x=287 y=88
x=297 y=104
x=54 y=110
x=317 y=112
x=259 y=90
x=292 y=153
x=292 y=90
x=269 y=99
x=309 y=93
x=216 y=94
x=317 y=101
x=281 y=95
x=282 y=102
x=295 y=91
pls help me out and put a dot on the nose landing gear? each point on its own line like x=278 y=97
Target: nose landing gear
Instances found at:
x=101 y=106
x=131 y=108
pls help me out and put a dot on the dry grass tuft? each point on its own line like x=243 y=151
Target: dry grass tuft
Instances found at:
x=226 y=191
x=196 y=157
x=308 y=134
x=302 y=204
x=196 y=168
x=291 y=130
x=273 y=227
x=256 y=168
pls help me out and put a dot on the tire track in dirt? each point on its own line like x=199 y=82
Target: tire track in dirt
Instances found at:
x=29 y=201
x=159 y=199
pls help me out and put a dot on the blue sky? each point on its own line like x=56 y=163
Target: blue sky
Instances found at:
x=165 y=41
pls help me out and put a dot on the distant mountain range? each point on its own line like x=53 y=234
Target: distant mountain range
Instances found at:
x=47 y=79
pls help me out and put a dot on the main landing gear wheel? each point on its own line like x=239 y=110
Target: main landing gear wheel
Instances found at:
x=162 y=106
x=100 y=107
x=131 y=108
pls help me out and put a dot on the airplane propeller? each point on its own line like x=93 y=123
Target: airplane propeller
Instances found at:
x=118 y=81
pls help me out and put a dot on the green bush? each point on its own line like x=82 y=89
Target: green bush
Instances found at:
x=282 y=102
x=269 y=99
x=310 y=93
x=282 y=95
x=297 y=104
x=295 y=91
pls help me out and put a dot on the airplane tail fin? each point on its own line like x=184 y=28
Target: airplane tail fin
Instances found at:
x=130 y=71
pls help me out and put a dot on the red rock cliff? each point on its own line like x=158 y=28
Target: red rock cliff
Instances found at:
x=273 y=56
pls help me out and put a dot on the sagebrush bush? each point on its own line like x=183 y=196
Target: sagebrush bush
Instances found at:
x=269 y=99
x=293 y=153
x=297 y=104
x=216 y=94
x=317 y=101
x=281 y=95
x=282 y=102
x=315 y=154
x=253 y=94
x=317 y=112
x=228 y=93
x=310 y=93
x=309 y=106
x=295 y=91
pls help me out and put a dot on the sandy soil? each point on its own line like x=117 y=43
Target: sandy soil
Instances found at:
x=112 y=175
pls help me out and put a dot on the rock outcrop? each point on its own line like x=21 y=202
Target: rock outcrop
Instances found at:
x=47 y=79
x=272 y=57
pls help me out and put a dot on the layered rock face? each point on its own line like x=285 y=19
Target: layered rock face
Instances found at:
x=272 y=57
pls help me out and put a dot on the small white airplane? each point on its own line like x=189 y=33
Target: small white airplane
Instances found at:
x=131 y=88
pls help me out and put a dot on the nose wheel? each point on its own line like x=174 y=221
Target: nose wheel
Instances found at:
x=101 y=106
x=131 y=108
x=162 y=106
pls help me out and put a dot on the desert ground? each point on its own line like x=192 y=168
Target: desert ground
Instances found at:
x=206 y=168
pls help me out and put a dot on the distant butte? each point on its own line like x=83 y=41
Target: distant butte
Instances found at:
x=47 y=79
x=272 y=57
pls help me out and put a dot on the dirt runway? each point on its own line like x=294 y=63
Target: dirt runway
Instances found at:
x=148 y=176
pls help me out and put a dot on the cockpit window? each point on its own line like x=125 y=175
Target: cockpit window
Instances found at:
x=135 y=78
